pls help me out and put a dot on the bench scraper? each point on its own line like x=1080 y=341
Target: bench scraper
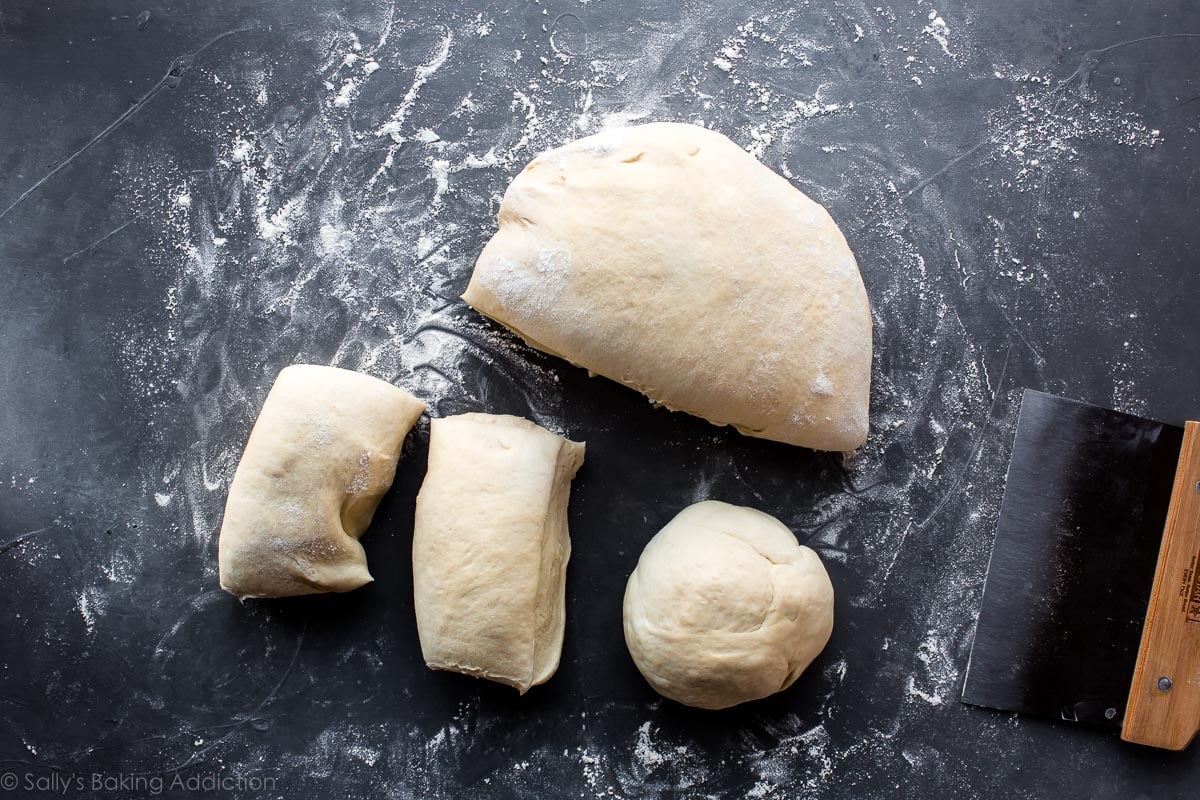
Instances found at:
x=1091 y=607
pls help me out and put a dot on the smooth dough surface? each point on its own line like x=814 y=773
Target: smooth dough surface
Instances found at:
x=321 y=455
x=490 y=548
x=725 y=607
x=665 y=257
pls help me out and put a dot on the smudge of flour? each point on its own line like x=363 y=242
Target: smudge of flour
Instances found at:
x=644 y=749
x=88 y=610
x=939 y=31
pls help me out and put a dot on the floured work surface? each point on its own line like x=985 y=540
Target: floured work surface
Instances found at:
x=313 y=185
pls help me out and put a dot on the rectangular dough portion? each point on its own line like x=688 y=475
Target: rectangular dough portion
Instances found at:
x=322 y=454
x=490 y=548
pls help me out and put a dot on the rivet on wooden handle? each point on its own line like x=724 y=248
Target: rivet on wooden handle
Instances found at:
x=1164 y=699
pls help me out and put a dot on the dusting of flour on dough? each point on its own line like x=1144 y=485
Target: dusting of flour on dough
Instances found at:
x=535 y=292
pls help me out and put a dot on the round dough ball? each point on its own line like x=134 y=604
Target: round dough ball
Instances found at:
x=725 y=606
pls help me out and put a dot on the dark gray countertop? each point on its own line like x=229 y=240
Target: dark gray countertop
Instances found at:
x=193 y=198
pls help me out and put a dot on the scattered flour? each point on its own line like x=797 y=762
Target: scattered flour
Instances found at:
x=644 y=750
x=395 y=124
x=939 y=31
x=92 y=605
x=330 y=232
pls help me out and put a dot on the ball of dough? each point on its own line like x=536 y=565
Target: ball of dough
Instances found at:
x=668 y=258
x=725 y=607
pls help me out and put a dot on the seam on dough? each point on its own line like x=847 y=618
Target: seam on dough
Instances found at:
x=769 y=560
x=765 y=557
x=766 y=613
x=480 y=672
x=537 y=587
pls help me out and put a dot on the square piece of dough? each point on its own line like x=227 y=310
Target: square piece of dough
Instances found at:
x=490 y=548
x=322 y=453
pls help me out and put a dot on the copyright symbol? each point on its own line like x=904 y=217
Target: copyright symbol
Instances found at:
x=8 y=781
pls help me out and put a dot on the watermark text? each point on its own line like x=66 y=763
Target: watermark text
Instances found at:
x=126 y=783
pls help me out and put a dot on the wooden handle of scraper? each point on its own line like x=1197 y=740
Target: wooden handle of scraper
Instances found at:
x=1164 y=700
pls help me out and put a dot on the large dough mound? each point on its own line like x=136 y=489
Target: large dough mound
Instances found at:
x=490 y=548
x=665 y=257
x=321 y=455
x=725 y=606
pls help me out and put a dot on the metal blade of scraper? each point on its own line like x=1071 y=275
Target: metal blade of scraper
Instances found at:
x=1073 y=561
